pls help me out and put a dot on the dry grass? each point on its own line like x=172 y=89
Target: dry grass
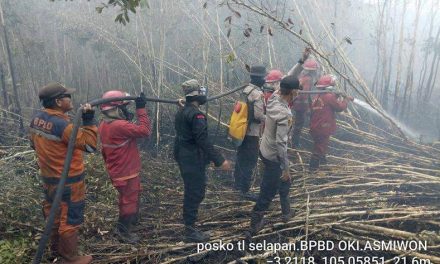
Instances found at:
x=376 y=187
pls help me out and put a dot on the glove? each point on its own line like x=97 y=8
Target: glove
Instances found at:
x=140 y=101
x=305 y=55
x=88 y=117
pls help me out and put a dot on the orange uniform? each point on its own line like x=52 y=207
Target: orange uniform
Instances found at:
x=50 y=131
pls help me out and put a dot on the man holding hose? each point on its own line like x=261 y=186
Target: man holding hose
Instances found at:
x=50 y=130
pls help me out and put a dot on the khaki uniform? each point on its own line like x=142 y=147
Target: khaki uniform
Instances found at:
x=278 y=125
x=273 y=153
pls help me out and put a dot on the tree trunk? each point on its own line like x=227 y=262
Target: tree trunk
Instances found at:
x=161 y=73
x=17 y=107
x=389 y=67
x=424 y=69
x=379 y=51
x=406 y=102
x=429 y=83
x=396 y=101
x=4 y=91
x=432 y=85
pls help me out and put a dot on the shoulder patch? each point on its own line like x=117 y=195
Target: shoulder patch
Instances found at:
x=200 y=116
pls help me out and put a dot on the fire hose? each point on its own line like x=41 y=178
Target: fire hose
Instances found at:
x=328 y=90
x=70 y=148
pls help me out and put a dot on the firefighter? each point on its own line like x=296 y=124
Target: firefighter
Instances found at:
x=323 y=119
x=50 y=130
x=306 y=70
x=247 y=152
x=121 y=156
x=273 y=153
x=193 y=151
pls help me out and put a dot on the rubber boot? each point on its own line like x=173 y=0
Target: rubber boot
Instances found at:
x=286 y=214
x=137 y=216
x=314 y=163
x=136 y=221
x=68 y=249
x=54 y=244
x=192 y=234
x=54 y=240
x=124 y=231
x=257 y=222
x=248 y=196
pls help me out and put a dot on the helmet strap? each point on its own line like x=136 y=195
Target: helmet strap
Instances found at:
x=127 y=115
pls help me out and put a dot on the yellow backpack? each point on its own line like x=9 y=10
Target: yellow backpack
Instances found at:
x=238 y=124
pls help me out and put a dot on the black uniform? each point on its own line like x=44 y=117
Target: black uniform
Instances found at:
x=193 y=151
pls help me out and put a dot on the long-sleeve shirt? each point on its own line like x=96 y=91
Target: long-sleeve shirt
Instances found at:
x=278 y=125
x=192 y=144
x=324 y=107
x=295 y=70
x=301 y=103
x=50 y=131
x=119 y=148
x=255 y=96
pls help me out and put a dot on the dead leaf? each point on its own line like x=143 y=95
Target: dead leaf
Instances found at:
x=229 y=33
x=269 y=30
x=290 y=21
x=246 y=33
x=234 y=11
x=261 y=29
x=248 y=68
x=205 y=4
x=228 y=19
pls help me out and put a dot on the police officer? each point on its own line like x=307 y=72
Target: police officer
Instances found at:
x=273 y=153
x=193 y=151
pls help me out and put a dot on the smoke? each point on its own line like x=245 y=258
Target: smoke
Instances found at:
x=409 y=132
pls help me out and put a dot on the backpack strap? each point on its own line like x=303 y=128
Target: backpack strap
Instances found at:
x=250 y=104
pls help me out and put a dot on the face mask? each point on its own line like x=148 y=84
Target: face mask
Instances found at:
x=127 y=114
x=268 y=88
x=201 y=99
x=258 y=81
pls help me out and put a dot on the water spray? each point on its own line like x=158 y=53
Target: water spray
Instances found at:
x=405 y=129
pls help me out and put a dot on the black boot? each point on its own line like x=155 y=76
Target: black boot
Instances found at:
x=136 y=223
x=286 y=214
x=314 y=163
x=123 y=230
x=192 y=234
x=257 y=222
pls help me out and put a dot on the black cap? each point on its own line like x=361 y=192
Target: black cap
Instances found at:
x=290 y=82
x=53 y=90
x=259 y=71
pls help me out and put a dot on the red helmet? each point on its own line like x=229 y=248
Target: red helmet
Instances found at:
x=310 y=65
x=326 y=81
x=274 y=76
x=112 y=105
